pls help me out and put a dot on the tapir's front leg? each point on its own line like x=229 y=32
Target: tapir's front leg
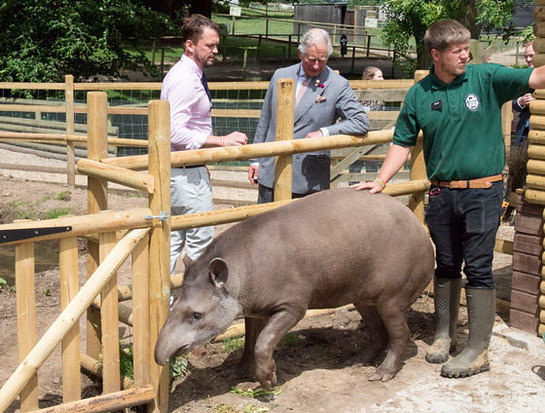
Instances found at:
x=277 y=327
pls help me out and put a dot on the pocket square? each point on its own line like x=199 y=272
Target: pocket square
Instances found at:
x=320 y=99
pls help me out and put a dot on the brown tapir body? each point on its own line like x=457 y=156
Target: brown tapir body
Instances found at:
x=322 y=251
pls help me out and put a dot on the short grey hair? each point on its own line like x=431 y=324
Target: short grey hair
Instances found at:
x=313 y=37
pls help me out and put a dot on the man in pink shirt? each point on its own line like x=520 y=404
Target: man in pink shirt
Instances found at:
x=186 y=89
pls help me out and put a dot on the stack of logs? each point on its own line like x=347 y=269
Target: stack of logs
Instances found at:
x=528 y=286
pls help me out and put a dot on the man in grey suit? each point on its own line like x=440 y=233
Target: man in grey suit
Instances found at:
x=322 y=96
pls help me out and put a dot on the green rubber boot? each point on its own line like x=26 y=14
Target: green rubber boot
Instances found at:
x=446 y=292
x=481 y=308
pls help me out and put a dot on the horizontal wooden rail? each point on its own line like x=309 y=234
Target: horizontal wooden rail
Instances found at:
x=63 y=138
x=122 y=176
x=223 y=216
x=107 y=402
x=105 y=221
x=256 y=150
x=69 y=317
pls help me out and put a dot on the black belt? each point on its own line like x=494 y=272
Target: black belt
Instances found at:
x=189 y=167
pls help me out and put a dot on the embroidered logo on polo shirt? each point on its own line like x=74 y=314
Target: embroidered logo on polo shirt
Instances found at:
x=472 y=102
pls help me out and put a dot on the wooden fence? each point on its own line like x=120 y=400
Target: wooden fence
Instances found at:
x=146 y=236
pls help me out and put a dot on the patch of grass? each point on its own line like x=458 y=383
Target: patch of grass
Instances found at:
x=232 y=344
x=290 y=340
x=57 y=212
x=257 y=392
x=63 y=196
x=126 y=365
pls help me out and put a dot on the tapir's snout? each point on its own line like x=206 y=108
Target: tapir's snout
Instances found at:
x=167 y=346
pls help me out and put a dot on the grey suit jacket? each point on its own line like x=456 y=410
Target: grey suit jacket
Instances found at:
x=311 y=170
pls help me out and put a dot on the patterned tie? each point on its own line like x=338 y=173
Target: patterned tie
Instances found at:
x=205 y=84
x=301 y=91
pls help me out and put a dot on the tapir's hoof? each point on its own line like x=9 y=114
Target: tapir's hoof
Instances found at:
x=381 y=375
x=268 y=382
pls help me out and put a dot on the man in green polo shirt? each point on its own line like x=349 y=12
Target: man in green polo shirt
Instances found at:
x=458 y=109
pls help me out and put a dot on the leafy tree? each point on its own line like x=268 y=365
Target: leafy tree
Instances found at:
x=42 y=40
x=410 y=18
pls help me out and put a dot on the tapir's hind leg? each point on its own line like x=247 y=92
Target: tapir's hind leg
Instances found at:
x=246 y=363
x=377 y=332
x=277 y=327
x=398 y=334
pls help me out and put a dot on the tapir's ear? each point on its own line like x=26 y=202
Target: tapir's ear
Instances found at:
x=218 y=272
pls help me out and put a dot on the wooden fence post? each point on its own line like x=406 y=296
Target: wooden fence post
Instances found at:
x=140 y=307
x=69 y=286
x=284 y=131
x=159 y=250
x=70 y=145
x=109 y=316
x=97 y=200
x=26 y=317
x=418 y=165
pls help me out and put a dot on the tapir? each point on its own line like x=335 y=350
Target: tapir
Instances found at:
x=325 y=250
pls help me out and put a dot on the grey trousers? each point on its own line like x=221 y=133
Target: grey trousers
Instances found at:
x=190 y=193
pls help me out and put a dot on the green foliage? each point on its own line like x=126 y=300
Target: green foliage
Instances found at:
x=3 y=283
x=179 y=367
x=411 y=18
x=232 y=344
x=57 y=212
x=42 y=40
x=258 y=392
x=290 y=340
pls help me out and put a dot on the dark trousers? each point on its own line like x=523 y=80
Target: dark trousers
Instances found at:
x=463 y=224
x=266 y=195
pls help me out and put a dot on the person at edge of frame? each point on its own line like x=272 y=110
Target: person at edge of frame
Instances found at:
x=458 y=108
x=321 y=97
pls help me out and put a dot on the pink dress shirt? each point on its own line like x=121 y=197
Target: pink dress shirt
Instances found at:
x=190 y=118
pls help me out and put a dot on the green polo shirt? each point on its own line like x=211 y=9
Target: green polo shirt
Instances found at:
x=461 y=121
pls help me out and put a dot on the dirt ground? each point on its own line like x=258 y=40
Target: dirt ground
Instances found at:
x=318 y=367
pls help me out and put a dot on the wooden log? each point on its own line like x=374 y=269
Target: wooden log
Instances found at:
x=284 y=131
x=85 y=224
x=536 y=152
x=535 y=182
x=26 y=318
x=68 y=317
x=112 y=173
x=537 y=122
x=159 y=201
x=536 y=167
x=535 y=196
x=536 y=137
x=97 y=200
x=69 y=286
x=70 y=148
x=109 y=316
x=106 y=403
x=256 y=150
x=141 y=312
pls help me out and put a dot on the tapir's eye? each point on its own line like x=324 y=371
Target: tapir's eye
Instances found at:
x=197 y=316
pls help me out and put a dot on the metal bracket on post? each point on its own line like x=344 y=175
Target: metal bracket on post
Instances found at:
x=163 y=216
x=10 y=235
